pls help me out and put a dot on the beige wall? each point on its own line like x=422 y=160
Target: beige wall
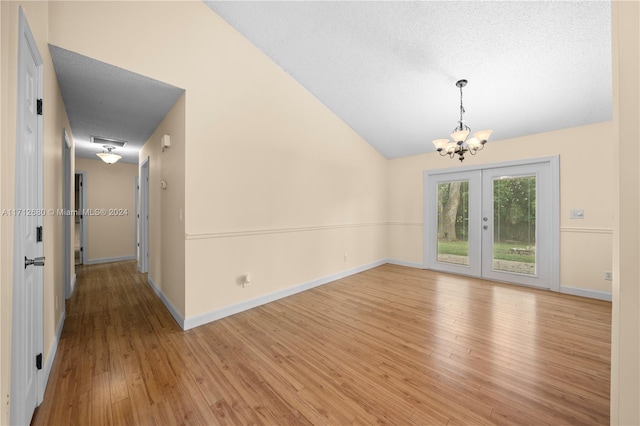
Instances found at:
x=166 y=219
x=275 y=184
x=625 y=333
x=55 y=120
x=110 y=187
x=586 y=181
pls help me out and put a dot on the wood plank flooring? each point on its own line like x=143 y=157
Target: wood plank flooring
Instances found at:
x=391 y=345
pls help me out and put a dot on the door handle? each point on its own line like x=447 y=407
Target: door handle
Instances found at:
x=485 y=227
x=38 y=261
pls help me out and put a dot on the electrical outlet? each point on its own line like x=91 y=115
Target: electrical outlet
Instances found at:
x=608 y=275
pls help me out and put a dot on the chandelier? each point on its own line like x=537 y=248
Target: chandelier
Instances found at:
x=109 y=157
x=460 y=144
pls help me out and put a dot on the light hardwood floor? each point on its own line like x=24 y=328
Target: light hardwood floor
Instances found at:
x=392 y=345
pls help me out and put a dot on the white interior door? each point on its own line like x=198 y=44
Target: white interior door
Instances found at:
x=27 y=339
x=499 y=223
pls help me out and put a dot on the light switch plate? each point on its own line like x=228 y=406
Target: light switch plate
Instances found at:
x=577 y=214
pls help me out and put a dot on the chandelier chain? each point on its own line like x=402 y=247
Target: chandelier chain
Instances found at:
x=462 y=111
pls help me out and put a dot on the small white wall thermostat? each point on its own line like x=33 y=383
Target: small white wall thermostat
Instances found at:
x=165 y=142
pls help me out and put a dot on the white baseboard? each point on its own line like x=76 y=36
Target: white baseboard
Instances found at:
x=405 y=263
x=108 y=260
x=592 y=294
x=172 y=309
x=53 y=350
x=217 y=314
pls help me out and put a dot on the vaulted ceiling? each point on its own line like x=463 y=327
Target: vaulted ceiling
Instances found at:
x=388 y=68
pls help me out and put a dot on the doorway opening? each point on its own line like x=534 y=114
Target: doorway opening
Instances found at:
x=79 y=222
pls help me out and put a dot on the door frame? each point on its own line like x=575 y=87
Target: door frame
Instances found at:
x=554 y=176
x=82 y=205
x=66 y=217
x=136 y=203
x=26 y=46
x=143 y=259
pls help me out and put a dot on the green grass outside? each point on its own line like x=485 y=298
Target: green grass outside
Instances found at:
x=502 y=251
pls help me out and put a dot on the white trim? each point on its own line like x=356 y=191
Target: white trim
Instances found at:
x=405 y=263
x=172 y=309
x=398 y=223
x=72 y=286
x=142 y=254
x=84 y=252
x=502 y=164
x=217 y=314
x=591 y=294
x=250 y=232
x=586 y=230
x=67 y=226
x=554 y=175
x=108 y=260
x=53 y=350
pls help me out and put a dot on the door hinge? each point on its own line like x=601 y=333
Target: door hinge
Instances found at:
x=39 y=234
x=39 y=106
x=39 y=361
x=81 y=248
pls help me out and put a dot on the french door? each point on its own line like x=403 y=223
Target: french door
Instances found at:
x=499 y=222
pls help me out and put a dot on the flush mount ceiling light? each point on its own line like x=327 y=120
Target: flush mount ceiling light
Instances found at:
x=109 y=157
x=460 y=144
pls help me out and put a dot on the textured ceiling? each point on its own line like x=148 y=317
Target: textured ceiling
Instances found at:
x=388 y=69
x=107 y=101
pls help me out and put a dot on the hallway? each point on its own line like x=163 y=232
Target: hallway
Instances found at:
x=390 y=345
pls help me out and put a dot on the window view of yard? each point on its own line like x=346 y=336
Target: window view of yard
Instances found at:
x=513 y=223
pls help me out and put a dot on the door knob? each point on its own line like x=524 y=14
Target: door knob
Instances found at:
x=38 y=261
x=485 y=227
x=485 y=219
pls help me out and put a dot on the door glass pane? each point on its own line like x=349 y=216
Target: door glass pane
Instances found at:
x=453 y=222
x=514 y=224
